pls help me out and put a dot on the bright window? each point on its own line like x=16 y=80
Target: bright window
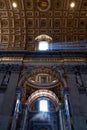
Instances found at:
x=44 y=105
x=43 y=45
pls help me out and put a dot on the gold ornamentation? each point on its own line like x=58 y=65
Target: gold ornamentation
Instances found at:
x=43 y=5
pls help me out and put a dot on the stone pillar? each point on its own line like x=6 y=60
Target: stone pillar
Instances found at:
x=61 y=117
x=8 y=102
x=25 y=118
x=9 y=98
x=16 y=111
x=67 y=109
x=1 y=93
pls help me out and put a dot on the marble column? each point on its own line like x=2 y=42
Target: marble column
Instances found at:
x=25 y=118
x=61 y=124
x=17 y=109
x=8 y=97
x=67 y=109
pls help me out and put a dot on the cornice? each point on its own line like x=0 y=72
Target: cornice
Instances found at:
x=58 y=53
x=48 y=56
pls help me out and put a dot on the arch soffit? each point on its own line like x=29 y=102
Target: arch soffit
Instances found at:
x=43 y=93
x=58 y=72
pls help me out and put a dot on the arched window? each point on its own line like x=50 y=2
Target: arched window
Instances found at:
x=43 y=42
x=43 y=101
x=43 y=45
x=43 y=105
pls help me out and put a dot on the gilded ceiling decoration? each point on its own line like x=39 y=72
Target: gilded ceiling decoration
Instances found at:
x=20 y=26
x=44 y=78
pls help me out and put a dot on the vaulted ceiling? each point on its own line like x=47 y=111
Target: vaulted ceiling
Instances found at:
x=19 y=26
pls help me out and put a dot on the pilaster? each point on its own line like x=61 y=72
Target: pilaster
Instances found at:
x=9 y=96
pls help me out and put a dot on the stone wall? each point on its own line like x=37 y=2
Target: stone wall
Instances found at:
x=78 y=102
x=7 y=97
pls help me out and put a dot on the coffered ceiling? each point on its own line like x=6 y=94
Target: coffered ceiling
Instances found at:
x=20 y=26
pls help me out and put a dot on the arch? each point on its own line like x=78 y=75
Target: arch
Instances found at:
x=40 y=93
x=43 y=37
x=53 y=70
x=43 y=41
x=60 y=71
x=34 y=71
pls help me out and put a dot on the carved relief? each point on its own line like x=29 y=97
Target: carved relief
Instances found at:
x=5 y=31
x=17 y=38
x=3 y=14
x=69 y=22
x=82 y=23
x=57 y=23
x=30 y=38
x=29 y=4
x=29 y=13
x=4 y=23
x=43 y=5
x=43 y=23
x=11 y=23
x=17 y=22
x=58 y=4
x=84 y=4
x=5 y=38
x=30 y=23
x=2 y=4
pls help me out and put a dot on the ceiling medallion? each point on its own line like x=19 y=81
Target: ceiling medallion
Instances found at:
x=43 y=5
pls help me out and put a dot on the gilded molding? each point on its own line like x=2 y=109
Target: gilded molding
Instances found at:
x=43 y=59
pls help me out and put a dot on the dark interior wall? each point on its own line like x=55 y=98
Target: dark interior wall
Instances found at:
x=7 y=98
x=78 y=102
